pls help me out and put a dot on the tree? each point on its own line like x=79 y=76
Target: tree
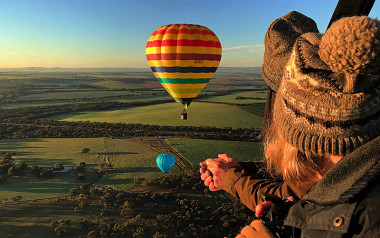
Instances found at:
x=58 y=167
x=2 y=179
x=35 y=170
x=46 y=173
x=138 y=180
x=23 y=166
x=81 y=176
x=159 y=235
x=11 y=171
x=139 y=232
x=17 y=199
x=61 y=227
x=81 y=167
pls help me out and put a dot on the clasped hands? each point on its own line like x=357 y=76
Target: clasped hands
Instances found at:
x=213 y=170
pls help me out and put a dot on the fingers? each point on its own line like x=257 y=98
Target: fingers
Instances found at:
x=265 y=206
x=205 y=175
x=212 y=187
x=226 y=158
x=210 y=163
x=256 y=230
x=208 y=181
x=223 y=157
x=202 y=170
x=260 y=230
x=262 y=208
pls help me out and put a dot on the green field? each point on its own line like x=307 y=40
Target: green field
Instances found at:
x=34 y=220
x=74 y=94
x=138 y=98
x=249 y=98
x=115 y=84
x=129 y=160
x=199 y=114
x=198 y=150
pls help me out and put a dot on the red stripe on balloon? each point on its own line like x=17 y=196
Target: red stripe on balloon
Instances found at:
x=202 y=43
x=183 y=56
x=182 y=31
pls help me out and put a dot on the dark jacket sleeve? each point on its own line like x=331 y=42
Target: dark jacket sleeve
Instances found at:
x=247 y=187
x=258 y=168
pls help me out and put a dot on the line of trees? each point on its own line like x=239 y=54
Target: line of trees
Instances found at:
x=33 y=113
x=31 y=122
x=53 y=129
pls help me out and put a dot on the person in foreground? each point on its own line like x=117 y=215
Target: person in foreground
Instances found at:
x=325 y=135
x=250 y=179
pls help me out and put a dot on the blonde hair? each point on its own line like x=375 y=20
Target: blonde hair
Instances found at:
x=288 y=162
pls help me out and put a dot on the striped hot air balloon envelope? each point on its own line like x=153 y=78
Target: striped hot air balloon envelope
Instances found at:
x=183 y=57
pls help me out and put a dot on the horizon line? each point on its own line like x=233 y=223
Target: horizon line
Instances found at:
x=36 y=67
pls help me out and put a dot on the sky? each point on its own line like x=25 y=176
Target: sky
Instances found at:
x=113 y=33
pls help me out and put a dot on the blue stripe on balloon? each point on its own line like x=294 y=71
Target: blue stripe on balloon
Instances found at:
x=178 y=69
x=183 y=81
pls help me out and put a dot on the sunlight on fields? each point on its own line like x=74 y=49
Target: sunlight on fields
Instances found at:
x=198 y=150
x=249 y=97
x=129 y=160
x=168 y=114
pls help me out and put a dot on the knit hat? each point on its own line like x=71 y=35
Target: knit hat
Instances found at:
x=279 y=41
x=329 y=98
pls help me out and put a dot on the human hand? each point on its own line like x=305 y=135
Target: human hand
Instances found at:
x=206 y=176
x=213 y=170
x=255 y=230
x=265 y=206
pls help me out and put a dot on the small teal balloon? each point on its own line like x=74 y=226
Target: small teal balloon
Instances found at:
x=165 y=162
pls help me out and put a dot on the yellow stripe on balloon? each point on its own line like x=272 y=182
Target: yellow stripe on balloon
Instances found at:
x=183 y=75
x=183 y=49
x=184 y=36
x=183 y=95
x=183 y=63
x=186 y=91
x=184 y=86
x=173 y=27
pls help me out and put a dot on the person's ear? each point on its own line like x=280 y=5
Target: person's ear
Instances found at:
x=268 y=151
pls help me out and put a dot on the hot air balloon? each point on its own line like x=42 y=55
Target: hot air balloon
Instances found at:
x=165 y=162
x=183 y=57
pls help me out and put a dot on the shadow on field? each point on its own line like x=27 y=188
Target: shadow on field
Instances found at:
x=24 y=153
x=64 y=116
x=117 y=153
x=53 y=187
x=49 y=162
x=8 y=148
x=27 y=231
x=120 y=181
x=136 y=169
x=38 y=211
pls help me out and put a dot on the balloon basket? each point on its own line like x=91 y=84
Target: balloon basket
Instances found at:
x=184 y=115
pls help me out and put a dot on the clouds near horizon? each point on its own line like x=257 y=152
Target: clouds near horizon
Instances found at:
x=251 y=48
